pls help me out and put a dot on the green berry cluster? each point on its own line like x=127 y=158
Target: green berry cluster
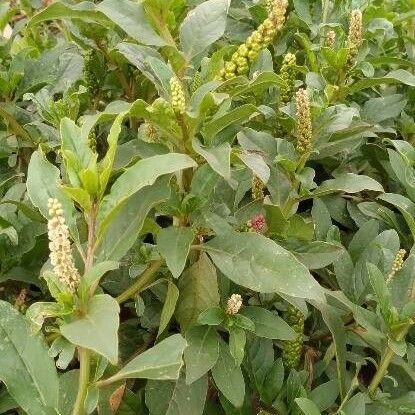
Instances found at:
x=304 y=126
x=90 y=76
x=292 y=350
x=197 y=81
x=259 y=39
x=257 y=188
x=92 y=140
x=354 y=38
x=288 y=73
x=178 y=100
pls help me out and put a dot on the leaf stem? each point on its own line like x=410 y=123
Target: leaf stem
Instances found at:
x=142 y=281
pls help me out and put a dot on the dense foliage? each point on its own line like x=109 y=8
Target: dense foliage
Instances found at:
x=207 y=207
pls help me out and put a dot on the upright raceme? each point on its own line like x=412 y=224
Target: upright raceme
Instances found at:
x=330 y=39
x=354 y=38
x=288 y=73
x=60 y=247
x=259 y=39
x=397 y=265
x=178 y=99
x=304 y=126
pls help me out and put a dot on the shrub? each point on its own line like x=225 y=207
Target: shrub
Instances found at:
x=207 y=207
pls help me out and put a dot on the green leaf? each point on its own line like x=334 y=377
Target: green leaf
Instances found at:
x=25 y=366
x=202 y=26
x=307 y=407
x=98 y=328
x=239 y=114
x=174 y=244
x=97 y=271
x=348 y=183
x=163 y=361
x=59 y=10
x=258 y=263
x=68 y=387
x=168 y=307
x=202 y=352
x=228 y=377
x=143 y=173
x=268 y=324
x=213 y=316
x=176 y=398
x=318 y=254
x=75 y=149
x=125 y=226
x=394 y=77
x=379 y=109
x=130 y=17
x=43 y=182
x=219 y=157
x=198 y=291
x=325 y=395
x=105 y=165
x=335 y=324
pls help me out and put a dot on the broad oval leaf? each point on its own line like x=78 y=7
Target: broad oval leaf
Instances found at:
x=176 y=398
x=203 y=25
x=25 y=366
x=143 y=173
x=260 y=264
x=98 y=328
x=163 y=361
x=174 y=245
x=202 y=353
x=268 y=325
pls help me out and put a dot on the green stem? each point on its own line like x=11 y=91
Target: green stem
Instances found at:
x=385 y=362
x=143 y=280
x=15 y=126
x=84 y=354
x=326 y=4
x=84 y=360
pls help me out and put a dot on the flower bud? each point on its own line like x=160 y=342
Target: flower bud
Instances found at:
x=234 y=304
x=330 y=39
